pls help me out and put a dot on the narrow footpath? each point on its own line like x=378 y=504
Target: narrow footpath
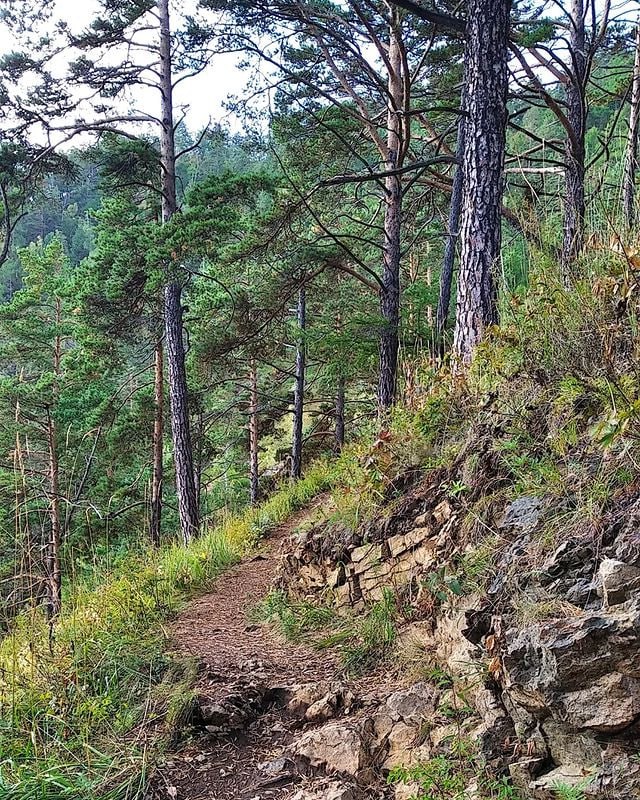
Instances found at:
x=239 y=661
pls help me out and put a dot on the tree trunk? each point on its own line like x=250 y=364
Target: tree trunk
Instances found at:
x=53 y=570
x=390 y=293
x=340 y=402
x=631 y=156
x=298 y=403
x=158 y=442
x=52 y=552
x=254 y=485
x=448 y=262
x=182 y=450
x=574 y=201
x=178 y=394
x=480 y=234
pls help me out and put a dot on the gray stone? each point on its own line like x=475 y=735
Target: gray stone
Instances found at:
x=572 y=776
x=276 y=767
x=522 y=514
x=412 y=705
x=336 y=748
x=571 y=559
x=619 y=581
x=567 y=747
x=583 y=671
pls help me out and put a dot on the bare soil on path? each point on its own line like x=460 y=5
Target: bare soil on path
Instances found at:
x=218 y=631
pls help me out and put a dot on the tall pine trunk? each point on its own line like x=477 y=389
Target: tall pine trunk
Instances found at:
x=390 y=292
x=158 y=442
x=254 y=481
x=480 y=233
x=52 y=551
x=631 y=155
x=174 y=328
x=298 y=402
x=574 y=200
x=448 y=262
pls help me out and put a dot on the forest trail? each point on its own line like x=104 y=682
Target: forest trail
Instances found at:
x=238 y=658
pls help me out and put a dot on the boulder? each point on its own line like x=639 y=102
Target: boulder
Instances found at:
x=412 y=705
x=619 y=581
x=582 y=671
x=568 y=776
x=334 y=748
x=522 y=514
x=300 y=697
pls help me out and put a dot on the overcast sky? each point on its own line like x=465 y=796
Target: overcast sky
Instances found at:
x=202 y=96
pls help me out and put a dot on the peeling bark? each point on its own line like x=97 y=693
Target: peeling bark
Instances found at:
x=174 y=328
x=485 y=131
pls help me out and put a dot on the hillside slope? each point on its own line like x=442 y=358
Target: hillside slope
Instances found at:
x=477 y=571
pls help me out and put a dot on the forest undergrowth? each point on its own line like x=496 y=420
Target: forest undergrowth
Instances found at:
x=77 y=699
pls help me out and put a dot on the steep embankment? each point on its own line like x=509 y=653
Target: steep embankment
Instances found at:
x=483 y=557
x=508 y=624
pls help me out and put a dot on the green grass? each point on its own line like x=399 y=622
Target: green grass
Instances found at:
x=76 y=702
x=362 y=641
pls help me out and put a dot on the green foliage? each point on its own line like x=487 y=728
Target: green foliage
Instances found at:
x=295 y=620
x=374 y=637
x=65 y=694
x=362 y=641
x=448 y=776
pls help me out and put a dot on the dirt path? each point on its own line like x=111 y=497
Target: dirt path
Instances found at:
x=217 y=630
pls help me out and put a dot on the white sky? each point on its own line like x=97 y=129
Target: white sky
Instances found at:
x=202 y=97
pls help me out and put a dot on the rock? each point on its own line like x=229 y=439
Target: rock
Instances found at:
x=412 y=705
x=582 y=592
x=231 y=713
x=583 y=671
x=406 y=791
x=325 y=791
x=402 y=742
x=370 y=552
x=336 y=747
x=339 y=699
x=619 y=775
x=300 y=697
x=322 y=710
x=442 y=512
x=570 y=559
x=618 y=581
x=627 y=544
x=571 y=776
x=276 y=767
x=337 y=792
x=522 y=514
x=442 y=736
x=567 y=747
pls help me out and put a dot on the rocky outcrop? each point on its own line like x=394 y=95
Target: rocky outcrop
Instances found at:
x=352 y=569
x=553 y=700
